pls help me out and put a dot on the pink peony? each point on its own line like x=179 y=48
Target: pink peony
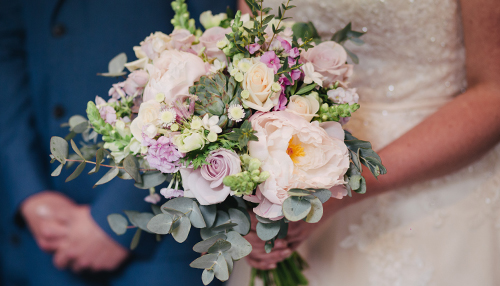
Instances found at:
x=328 y=59
x=205 y=183
x=297 y=154
x=172 y=74
x=209 y=40
x=182 y=39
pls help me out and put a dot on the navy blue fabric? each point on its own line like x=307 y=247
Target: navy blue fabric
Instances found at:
x=50 y=52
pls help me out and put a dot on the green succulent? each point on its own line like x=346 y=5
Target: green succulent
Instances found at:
x=215 y=95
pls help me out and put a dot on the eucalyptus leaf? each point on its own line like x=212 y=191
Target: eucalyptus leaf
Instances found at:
x=316 y=211
x=182 y=204
x=172 y=211
x=118 y=223
x=298 y=192
x=268 y=231
x=295 y=208
x=99 y=156
x=220 y=245
x=116 y=66
x=221 y=270
x=196 y=217
x=283 y=229
x=107 y=177
x=207 y=276
x=76 y=120
x=229 y=260
x=155 y=209
x=268 y=246
x=263 y=219
x=238 y=217
x=75 y=148
x=77 y=171
x=141 y=220
x=151 y=179
x=80 y=128
x=59 y=148
x=181 y=232
x=160 y=223
x=136 y=239
x=323 y=195
x=209 y=213
x=57 y=171
x=240 y=247
x=225 y=226
x=204 y=262
x=204 y=245
x=131 y=165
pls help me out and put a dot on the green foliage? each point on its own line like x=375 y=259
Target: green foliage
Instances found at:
x=151 y=179
x=362 y=152
x=131 y=165
x=215 y=95
x=181 y=18
x=135 y=240
x=268 y=231
x=335 y=112
x=306 y=89
x=346 y=34
x=161 y=223
x=113 y=172
x=59 y=149
x=118 y=223
x=243 y=135
x=116 y=66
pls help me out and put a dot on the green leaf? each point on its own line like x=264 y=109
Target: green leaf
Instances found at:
x=156 y=209
x=204 y=245
x=182 y=204
x=220 y=245
x=75 y=148
x=238 y=217
x=263 y=219
x=118 y=223
x=107 y=177
x=316 y=211
x=77 y=171
x=181 y=232
x=57 y=171
x=358 y=184
x=295 y=208
x=352 y=55
x=341 y=35
x=140 y=220
x=116 y=66
x=240 y=247
x=151 y=179
x=59 y=148
x=131 y=165
x=99 y=156
x=207 y=276
x=283 y=229
x=160 y=223
x=306 y=89
x=267 y=231
x=229 y=260
x=224 y=226
x=204 y=262
x=221 y=270
x=268 y=246
x=136 y=239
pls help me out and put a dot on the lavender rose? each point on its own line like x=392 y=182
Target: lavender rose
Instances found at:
x=205 y=183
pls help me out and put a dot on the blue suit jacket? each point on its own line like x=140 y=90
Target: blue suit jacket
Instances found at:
x=50 y=52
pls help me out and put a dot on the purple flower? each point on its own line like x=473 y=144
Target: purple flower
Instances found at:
x=284 y=44
x=283 y=80
x=344 y=120
x=108 y=113
x=163 y=155
x=282 y=101
x=295 y=74
x=253 y=48
x=294 y=52
x=271 y=60
x=171 y=193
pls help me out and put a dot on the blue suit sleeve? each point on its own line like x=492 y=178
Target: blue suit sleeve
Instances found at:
x=21 y=166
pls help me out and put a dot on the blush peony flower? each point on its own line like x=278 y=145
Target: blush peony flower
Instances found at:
x=328 y=59
x=297 y=154
x=304 y=106
x=205 y=183
x=258 y=81
x=209 y=40
x=153 y=45
x=173 y=73
x=182 y=39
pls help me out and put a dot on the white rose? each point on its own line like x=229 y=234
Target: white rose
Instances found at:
x=188 y=142
x=173 y=73
x=208 y=20
x=149 y=113
x=258 y=80
x=304 y=106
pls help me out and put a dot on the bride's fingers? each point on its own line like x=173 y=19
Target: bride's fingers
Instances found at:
x=262 y=265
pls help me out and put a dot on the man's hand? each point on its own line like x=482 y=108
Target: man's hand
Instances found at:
x=46 y=216
x=87 y=246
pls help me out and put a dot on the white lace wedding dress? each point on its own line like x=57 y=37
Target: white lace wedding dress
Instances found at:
x=441 y=232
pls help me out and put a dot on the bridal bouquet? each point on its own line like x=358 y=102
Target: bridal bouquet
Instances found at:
x=245 y=117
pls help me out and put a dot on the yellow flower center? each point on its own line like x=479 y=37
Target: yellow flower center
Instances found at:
x=294 y=151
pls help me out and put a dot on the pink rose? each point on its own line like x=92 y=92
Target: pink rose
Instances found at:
x=209 y=40
x=297 y=154
x=205 y=183
x=173 y=73
x=329 y=59
x=182 y=39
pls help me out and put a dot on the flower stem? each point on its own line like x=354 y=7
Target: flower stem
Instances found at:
x=109 y=166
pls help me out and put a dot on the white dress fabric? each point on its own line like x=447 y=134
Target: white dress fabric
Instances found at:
x=439 y=232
